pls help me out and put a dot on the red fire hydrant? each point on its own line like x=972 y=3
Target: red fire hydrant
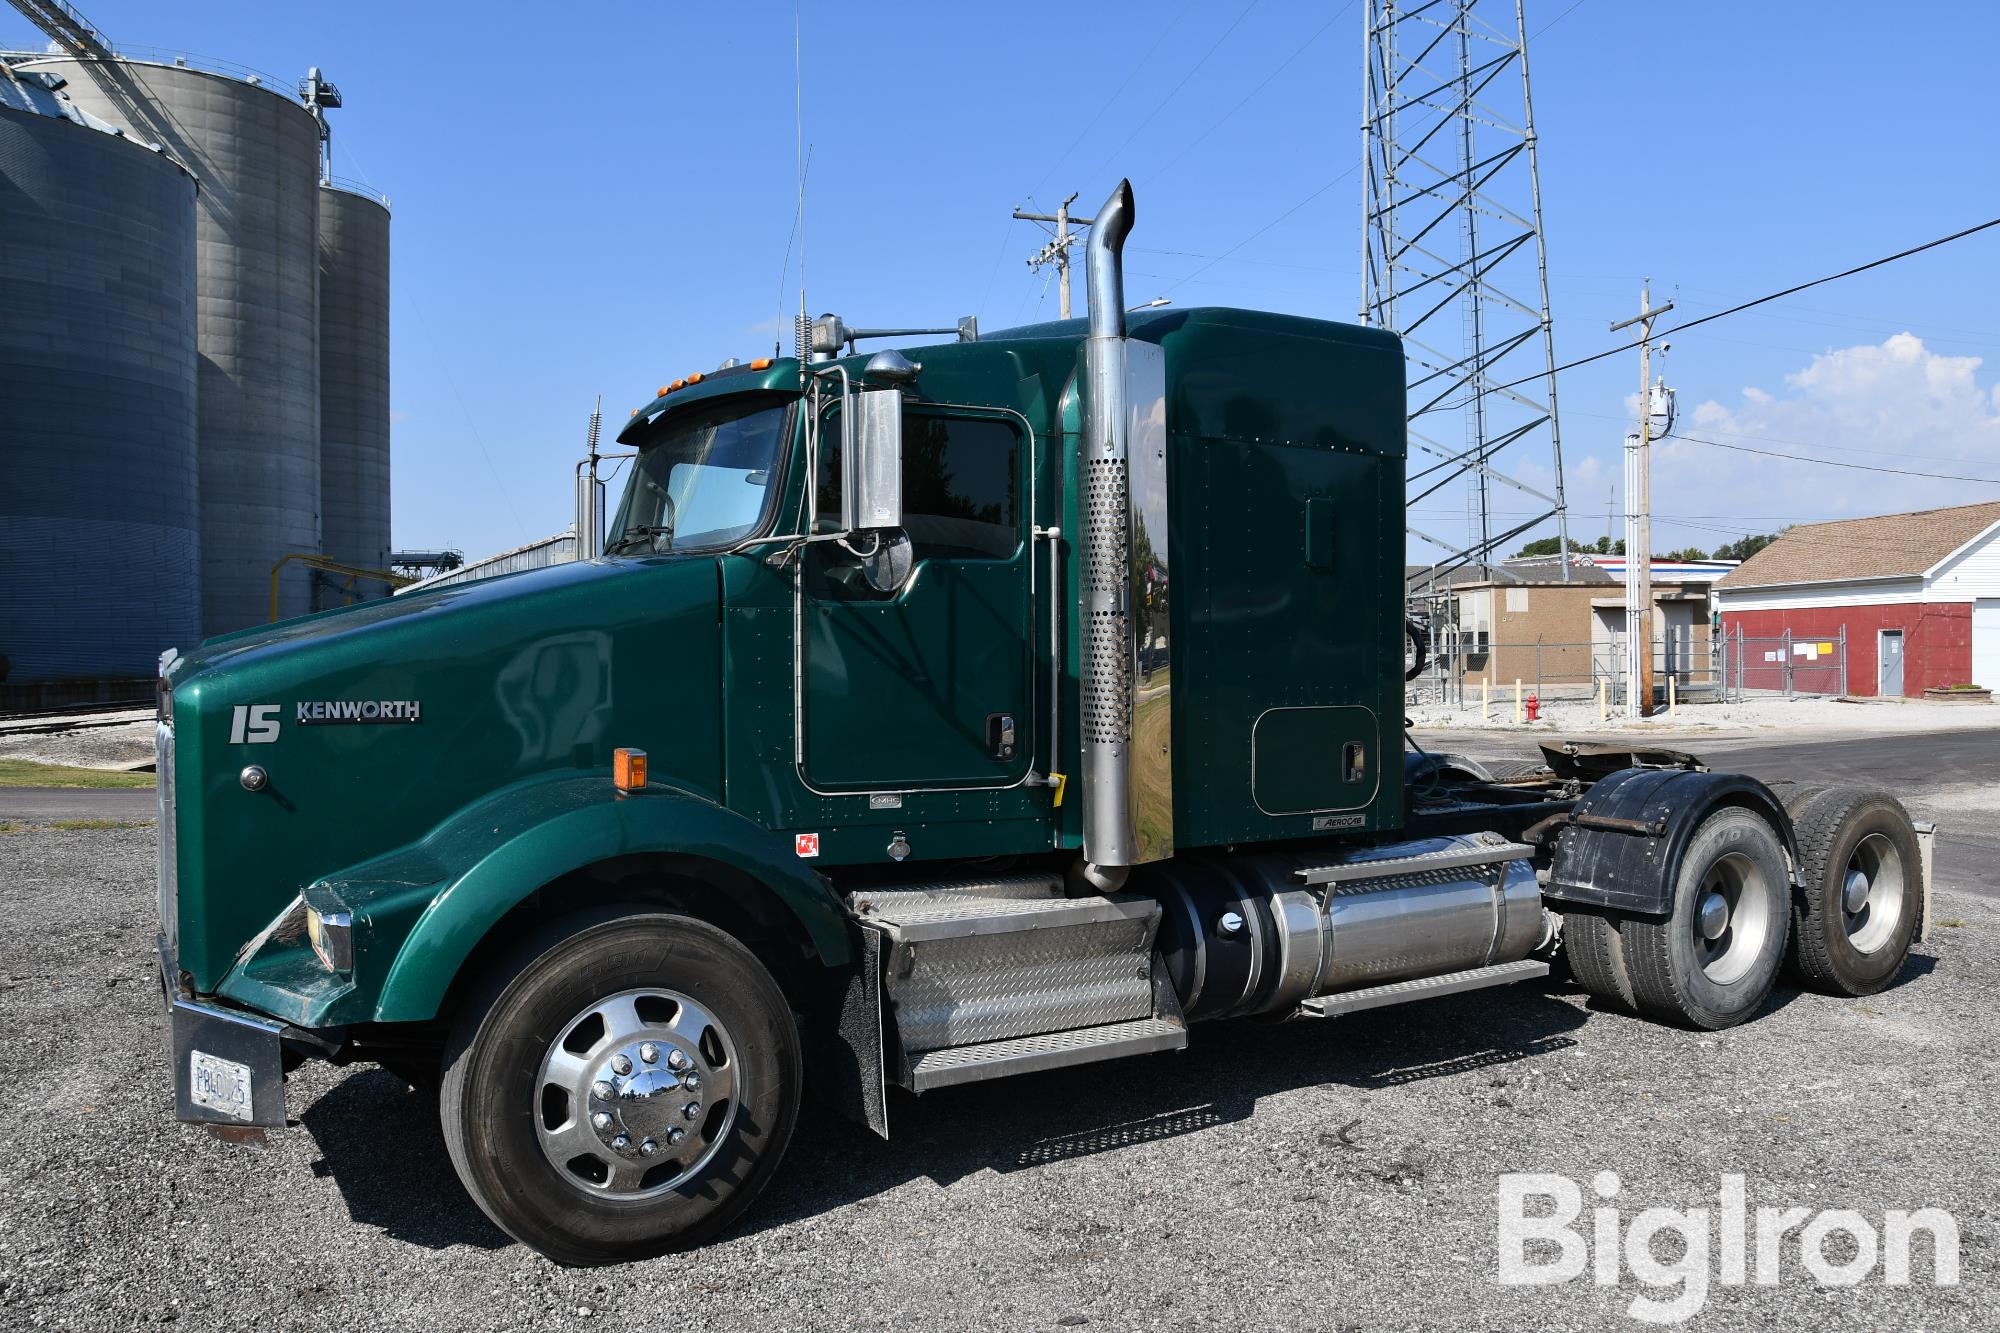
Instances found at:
x=1534 y=708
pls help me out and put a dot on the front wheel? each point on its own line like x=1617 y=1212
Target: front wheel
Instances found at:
x=621 y=1087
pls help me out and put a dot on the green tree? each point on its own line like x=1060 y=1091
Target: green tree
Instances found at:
x=1689 y=553
x=1746 y=547
x=1547 y=546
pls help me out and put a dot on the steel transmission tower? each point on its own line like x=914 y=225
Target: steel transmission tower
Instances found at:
x=1452 y=235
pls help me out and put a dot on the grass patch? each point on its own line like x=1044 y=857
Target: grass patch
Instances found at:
x=1952 y=923
x=84 y=825
x=11 y=826
x=27 y=773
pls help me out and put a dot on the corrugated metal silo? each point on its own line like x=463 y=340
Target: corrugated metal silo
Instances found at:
x=354 y=380
x=255 y=152
x=99 y=567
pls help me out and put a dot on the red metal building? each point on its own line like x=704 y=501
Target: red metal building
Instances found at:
x=1917 y=597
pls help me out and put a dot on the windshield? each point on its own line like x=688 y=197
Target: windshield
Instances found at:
x=703 y=478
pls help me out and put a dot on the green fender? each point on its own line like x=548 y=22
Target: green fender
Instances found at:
x=494 y=854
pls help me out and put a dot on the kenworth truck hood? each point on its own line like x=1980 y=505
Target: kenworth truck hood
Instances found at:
x=376 y=722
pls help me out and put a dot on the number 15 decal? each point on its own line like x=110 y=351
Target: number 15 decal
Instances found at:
x=253 y=724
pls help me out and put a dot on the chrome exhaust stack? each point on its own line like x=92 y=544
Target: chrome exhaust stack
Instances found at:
x=1110 y=832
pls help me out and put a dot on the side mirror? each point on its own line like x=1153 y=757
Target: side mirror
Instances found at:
x=871 y=492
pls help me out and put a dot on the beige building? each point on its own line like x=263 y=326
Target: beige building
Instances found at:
x=1566 y=634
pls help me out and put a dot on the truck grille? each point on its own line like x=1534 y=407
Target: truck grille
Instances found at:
x=169 y=899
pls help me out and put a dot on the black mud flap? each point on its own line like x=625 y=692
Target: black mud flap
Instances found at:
x=228 y=1068
x=1621 y=847
x=855 y=1063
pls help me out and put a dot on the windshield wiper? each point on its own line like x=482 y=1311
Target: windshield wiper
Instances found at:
x=650 y=533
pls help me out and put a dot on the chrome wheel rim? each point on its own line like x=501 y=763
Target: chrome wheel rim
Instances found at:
x=636 y=1094
x=1871 y=897
x=1732 y=919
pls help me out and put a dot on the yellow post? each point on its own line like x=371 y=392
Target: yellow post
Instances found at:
x=1517 y=701
x=1603 y=698
x=1670 y=697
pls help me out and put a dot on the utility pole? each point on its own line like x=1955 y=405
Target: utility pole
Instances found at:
x=1057 y=250
x=1639 y=520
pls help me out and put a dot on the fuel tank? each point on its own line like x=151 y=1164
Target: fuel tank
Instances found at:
x=1258 y=933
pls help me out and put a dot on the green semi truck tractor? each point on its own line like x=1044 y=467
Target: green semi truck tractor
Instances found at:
x=928 y=716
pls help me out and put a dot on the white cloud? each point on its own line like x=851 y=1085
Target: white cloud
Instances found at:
x=1895 y=405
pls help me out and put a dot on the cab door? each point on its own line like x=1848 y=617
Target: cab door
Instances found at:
x=930 y=684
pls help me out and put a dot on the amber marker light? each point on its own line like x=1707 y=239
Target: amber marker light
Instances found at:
x=761 y=363
x=628 y=769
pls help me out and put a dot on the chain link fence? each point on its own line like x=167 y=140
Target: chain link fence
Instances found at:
x=1701 y=668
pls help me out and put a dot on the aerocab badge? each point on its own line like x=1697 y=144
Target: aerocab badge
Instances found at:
x=338 y=712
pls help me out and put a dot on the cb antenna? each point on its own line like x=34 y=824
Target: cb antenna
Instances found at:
x=802 y=330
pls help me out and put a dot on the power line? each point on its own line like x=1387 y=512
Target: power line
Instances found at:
x=1834 y=462
x=1220 y=120
x=1559 y=18
x=1161 y=105
x=1762 y=300
x=1261 y=230
x=1137 y=66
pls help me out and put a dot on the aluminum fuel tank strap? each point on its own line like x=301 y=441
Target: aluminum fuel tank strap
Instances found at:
x=1390 y=867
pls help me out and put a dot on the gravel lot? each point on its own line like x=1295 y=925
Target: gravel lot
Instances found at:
x=1319 y=1175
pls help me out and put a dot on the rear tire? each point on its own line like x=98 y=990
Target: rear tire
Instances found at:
x=1596 y=954
x=1711 y=963
x=1843 y=834
x=546 y=1116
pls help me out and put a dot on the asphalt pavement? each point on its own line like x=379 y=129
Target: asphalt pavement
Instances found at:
x=45 y=805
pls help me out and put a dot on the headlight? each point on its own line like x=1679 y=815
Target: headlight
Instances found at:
x=332 y=936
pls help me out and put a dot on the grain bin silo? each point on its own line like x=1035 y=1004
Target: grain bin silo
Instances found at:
x=354 y=380
x=254 y=151
x=99 y=565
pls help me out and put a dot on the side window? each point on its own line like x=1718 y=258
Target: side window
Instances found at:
x=961 y=485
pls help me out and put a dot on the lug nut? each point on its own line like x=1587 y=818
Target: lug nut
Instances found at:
x=622 y=1142
x=621 y=1065
x=601 y=1121
x=691 y=1082
x=676 y=1134
x=676 y=1060
x=692 y=1111
x=649 y=1052
x=648 y=1147
x=602 y=1090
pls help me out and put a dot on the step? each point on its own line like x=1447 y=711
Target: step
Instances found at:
x=1054 y=1050
x=1003 y=905
x=1393 y=867
x=1423 y=988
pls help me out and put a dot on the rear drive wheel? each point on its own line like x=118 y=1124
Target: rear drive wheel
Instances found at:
x=1596 y=956
x=1713 y=960
x=622 y=1087
x=1863 y=869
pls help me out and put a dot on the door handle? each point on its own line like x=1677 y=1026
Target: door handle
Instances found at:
x=1000 y=735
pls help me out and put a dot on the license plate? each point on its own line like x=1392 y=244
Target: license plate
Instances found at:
x=220 y=1085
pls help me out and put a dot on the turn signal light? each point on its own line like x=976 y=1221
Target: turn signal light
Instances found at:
x=628 y=769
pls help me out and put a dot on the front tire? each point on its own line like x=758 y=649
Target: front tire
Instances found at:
x=621 y=1086
x=1711 y=963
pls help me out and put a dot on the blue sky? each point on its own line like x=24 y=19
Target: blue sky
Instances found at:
x=598 y=199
